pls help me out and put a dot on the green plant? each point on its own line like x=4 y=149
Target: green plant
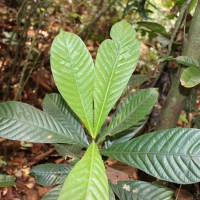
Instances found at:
x=91 y=92
x=6 y=180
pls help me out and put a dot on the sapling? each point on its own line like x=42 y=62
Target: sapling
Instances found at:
x=88 y=93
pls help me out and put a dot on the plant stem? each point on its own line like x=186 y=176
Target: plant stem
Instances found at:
x=177 y=95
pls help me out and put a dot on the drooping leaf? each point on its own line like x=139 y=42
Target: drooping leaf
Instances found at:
x=184 y=60
x=53 y=194
x=190 y=77
x=55 y=106
x=134 y=81
x=135 y=107
x=155 y=27
x=50 y=173
x=140 y=190
x=20 y=121
x=73 y=71
x=6 y=180
x=172 y=154
x=68 y=150
x=87 y=180
x=116 y=60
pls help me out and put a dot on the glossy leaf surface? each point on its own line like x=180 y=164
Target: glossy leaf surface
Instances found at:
x=172 y=154
x=55 y=106
x=73 y=72
x=127 y=136
x=70 y=150
x=135 y=107
x=20 y=121
x=50 y=173
x=140 y=190
x=190 y=77
x=87 y=180
x=134 y=81
x=116 y=60
x=6 y=180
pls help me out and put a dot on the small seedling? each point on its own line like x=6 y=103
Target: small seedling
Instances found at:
x=89 y=92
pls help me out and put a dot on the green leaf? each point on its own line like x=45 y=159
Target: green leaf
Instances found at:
x=53 y=194
x=187 y=61
x=111 y=193
x=20 y=121
x=172 y=154
x=87 y=180
x=190 y=77
x=66 y=150
x=135 y=80
x=73 y=71
x=184 y=60
x=6 y=180
x=55 y=106
x=155 y=27
x=116 y=60
x=135 y=107
x=127 y=136
x=139 y=190
x=50 y=173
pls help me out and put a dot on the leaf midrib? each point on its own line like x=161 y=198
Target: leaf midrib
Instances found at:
x=76 y=82
x=37 y=126
x=107 y=89
x=152 y=153
x=90 y=171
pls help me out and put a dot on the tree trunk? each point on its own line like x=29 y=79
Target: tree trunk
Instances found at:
x=177 y=95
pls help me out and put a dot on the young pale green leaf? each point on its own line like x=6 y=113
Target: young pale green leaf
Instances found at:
x=135 y=80
x=116 y=60
x=53 y=194
x=50 y=173
x=55 y=106
x=190 y=77
x=73 y=71
x=20 y=121
x=6 y=180
x=87 y=180
x=135 y=107
x=172 y=154
x=70 y=150
x=140 y=190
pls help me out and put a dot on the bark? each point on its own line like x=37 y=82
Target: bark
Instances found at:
x=177 y=95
